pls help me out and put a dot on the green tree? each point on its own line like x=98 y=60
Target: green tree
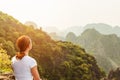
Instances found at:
x=5 y=63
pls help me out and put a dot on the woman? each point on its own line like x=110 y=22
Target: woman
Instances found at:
x=24 y=66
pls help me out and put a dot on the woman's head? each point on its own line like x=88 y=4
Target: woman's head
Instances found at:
x=23 y=43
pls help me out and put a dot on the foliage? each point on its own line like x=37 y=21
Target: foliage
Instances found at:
x=113 y=75
x=56 y=60
x=5 y=63
x=105 y=48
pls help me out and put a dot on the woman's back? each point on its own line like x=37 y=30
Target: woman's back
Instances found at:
x=22 y=68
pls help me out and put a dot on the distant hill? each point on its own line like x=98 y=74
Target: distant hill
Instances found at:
x=57 y=60
x=54 y=33
x=57 y=34
x=75 y=29
x=100 y=27
x=104 y=28
x=78 y=30
x=56 y=37
x=105 y=48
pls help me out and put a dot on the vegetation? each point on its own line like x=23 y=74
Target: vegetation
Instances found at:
x=4 y=61
x=56 y=60
x=113 y=75
x=105 y=48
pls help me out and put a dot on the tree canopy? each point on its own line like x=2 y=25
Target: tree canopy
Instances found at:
x=57 y=60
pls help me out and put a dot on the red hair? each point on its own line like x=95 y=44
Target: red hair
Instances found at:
x=22 y=43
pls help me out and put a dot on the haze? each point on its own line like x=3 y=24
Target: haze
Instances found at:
x=63 y=13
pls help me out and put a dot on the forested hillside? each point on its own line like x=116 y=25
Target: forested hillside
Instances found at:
x=105 y=48
x=57 y=60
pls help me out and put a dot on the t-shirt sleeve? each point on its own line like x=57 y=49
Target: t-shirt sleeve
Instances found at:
x=33 y=63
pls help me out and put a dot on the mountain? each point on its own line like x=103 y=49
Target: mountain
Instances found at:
x=57 y=60
x=78 y=30
x=105 y=48
x=103 y=28
x=57 y=34
x=71 y=36
x=56 y=37
x=54 y=33
x=75 y=29
x=116 y=30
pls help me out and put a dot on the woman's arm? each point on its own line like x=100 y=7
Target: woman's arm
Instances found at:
x=35 y=73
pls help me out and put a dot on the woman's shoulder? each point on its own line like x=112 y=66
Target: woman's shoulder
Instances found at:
x=31 y=61
x=29 y=58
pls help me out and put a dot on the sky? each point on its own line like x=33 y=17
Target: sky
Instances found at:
x=63 y=13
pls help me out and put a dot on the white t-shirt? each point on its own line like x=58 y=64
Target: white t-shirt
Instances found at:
x=22 y=68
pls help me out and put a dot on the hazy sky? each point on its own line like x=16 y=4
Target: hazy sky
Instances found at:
x=63 y=13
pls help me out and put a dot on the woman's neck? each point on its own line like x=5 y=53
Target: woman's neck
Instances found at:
x=26 y=52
